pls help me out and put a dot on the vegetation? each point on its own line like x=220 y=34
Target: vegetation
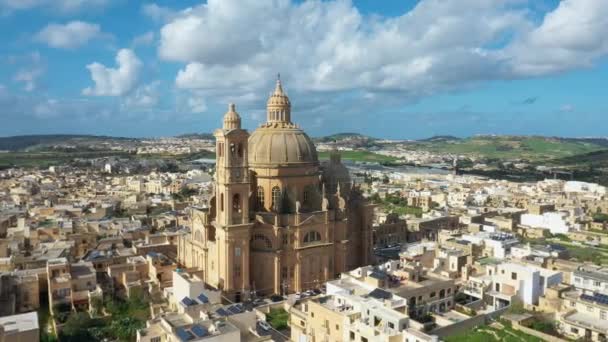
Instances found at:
x=361 y=156
x=600 y=217
x=511 y=147
x=396 y=204
x=126 y=317
x=278 y=318
x=488 y=333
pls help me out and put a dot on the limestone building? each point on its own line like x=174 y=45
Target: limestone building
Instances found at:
x=280 y=220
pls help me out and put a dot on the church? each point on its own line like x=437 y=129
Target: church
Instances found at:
x=279 y=220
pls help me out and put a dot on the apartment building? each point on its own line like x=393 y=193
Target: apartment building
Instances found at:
x=584 y=316
x=377 y=316
x=519 y=282
x=20 y=328
x=591 y=278
x=72 y=284
x=19 y=292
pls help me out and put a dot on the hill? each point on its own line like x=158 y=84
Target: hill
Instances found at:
x=511 y=147
x=22 y=142
x=343 y=136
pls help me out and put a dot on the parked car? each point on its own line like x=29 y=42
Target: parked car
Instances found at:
x=264 y=325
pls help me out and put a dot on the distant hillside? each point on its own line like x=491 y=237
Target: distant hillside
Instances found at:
x=440 y=138
x=202 y=136
x=22 y=142
x=511 y=147
x=343 y=136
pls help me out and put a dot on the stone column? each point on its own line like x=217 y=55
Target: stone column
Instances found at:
x=277 y=273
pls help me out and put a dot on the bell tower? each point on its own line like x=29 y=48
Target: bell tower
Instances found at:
x=232 y=187
x=232 y=173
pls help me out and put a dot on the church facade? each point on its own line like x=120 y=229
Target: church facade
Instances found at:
x=279 y=221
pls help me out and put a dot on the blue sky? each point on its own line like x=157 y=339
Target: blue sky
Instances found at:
x=397 y=69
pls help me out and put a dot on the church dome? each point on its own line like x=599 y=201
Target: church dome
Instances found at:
x=279 y=141
x=281 y=145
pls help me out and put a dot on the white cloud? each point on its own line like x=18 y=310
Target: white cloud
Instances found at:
x=70 y=35
x=158 y=13
x=196 y=104
x=64 y=6
x=146 y=96
x=144 y=39
x=574 y=35
x=29 y=77
x=31 y=68
x=235 y=47
x=567 y=108
x=115 y=81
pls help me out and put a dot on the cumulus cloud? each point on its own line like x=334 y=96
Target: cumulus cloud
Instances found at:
x=70 y=35
x=144 y=39
x=115 y=81
x=145 y=96
x=30 y=68
x=29 y=77
x=329 y=47
x=158 y=13
x=64 y=6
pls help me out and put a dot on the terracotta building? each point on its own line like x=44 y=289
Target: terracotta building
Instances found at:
x=280 y=220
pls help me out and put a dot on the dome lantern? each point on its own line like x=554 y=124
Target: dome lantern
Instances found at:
x=232 y=120
x=278 y=107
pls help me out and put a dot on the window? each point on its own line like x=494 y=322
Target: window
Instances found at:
x=577 y=280
x=261 y=242
x=513 y=275
x=237 y=251
x=603 y=314
x=222 y=202
x=597 y=283
x=442 y=293
x=260 y=198
x=220 y=149
x=433 y=294
x=236 y=203
x=352 y=335
x=391 y=325
x=497 y=287
x=574 y=330
x=237 y=271
x=155 y=339
x=276 y=198
x=590 y=308
x=240 y=150
x=312 y=236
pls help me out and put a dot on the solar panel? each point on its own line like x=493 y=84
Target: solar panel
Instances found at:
x=203 y=298
x=200 y=331
x=235 y=310
x=188 y=301
x=222 y=312
x=184 y=335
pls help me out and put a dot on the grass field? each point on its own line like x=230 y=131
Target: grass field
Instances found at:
x=46 y=159
x=487 y=333
x=533 y=148
x=360 y=156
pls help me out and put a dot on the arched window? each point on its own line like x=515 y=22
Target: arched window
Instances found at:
x=307 y=195
x=232 y=149
x=220 y=149
x=276 y=198
x=261 y=242
x=312 y=236
x=260 y=198
x=236 y=203
x=222 y=202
